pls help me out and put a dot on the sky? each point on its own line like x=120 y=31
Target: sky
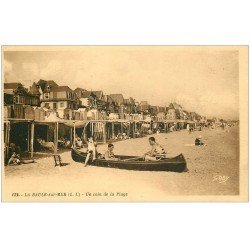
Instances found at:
x=201 y=79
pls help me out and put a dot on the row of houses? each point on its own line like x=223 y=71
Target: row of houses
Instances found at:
x=50 y=98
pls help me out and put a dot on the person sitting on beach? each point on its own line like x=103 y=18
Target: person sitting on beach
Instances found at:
x=137 y=133
x=199 y=142
x=91 y=150
x=14 y=154
x=67 y=143
x=78 y=142
x=109 y=155
x=61 y=142
x=156 y=153
x=14 y=159
x=48 y=145
x=150 y=132
x=118 y=137
x=124 y=136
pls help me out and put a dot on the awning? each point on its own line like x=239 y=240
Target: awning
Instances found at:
x=18 y=120
x=76 y=124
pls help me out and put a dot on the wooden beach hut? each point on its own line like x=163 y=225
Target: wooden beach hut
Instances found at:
x=17 y=131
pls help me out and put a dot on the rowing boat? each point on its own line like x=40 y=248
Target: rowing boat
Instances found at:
x=175 y=164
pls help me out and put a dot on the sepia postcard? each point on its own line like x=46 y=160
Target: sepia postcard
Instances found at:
x=124 y=123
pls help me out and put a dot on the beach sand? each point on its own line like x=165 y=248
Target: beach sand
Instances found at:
x=213 y=170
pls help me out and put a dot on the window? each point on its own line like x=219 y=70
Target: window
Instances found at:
x=47 y=105
x=61 y=104
x=20 y=99
x=54 y=105
x=46 y=96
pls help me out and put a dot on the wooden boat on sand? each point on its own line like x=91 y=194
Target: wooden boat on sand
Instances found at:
x=175 y=164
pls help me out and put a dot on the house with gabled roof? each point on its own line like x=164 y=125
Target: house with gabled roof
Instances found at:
x=78 y=91
x=91 y=99
x=100 y=101
x=20 y=94
x=17 y=97
x=186 y=115
x=193 y=116
x=174 y=112
x=59 y=98
x=144 y=107
x=174 y=105
x=153 y=110
x=110 y=104
x=88 y=99
x=98 y=93
x=119 y=104
x=118 y=98
x=130 y=106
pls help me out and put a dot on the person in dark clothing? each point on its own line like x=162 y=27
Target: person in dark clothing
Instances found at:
x=14 y=154
x=199 y=142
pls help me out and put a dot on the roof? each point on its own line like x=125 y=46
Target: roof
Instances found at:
x=175 y=105
x=8 y=91
x=79 y=92
x=43 y=85
x=34 y=89
x=62 y=88
x=80 y=89
x=15 y=88
x=12 y=85
x=118 y=98
x=86 y=94
x=108 y=99
x=76 y=124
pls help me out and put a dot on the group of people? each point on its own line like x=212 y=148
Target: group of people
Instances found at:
x=156 y=153
x=121 y=136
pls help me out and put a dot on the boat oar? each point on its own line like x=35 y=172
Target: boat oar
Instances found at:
x=134 y=158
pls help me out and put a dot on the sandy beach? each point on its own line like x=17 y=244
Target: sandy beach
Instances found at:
x=213 y=170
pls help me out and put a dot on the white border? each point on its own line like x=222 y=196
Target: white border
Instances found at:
x=125 y=226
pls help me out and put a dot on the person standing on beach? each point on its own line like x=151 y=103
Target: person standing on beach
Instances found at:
x=91 y=150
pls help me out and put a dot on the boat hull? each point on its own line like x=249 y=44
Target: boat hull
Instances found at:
x=175 y=164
